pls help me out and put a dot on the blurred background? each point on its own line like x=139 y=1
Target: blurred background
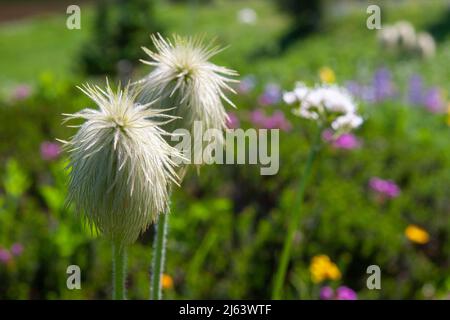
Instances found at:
x=379 y=196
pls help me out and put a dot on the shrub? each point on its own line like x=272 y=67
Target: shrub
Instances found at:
x=121 y=27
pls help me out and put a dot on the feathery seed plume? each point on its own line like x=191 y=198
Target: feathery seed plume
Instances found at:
x=121 y=166
x=185 y=79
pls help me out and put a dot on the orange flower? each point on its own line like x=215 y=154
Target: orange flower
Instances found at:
x=322 y=268
x=166 y=281
x=416 y=234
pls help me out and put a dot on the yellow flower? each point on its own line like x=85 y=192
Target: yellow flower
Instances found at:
x=333 y=272
x=417 y=234
x=166 y=281
x=448 y=114
x=327 y=75
x=322 y=268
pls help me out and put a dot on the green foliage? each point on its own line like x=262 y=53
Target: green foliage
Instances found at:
x=306 y=16
x=306 y=13
x=121 y=27
x=228 y=223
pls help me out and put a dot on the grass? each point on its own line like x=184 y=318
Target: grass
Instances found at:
x=44 y=44
x=37 y=45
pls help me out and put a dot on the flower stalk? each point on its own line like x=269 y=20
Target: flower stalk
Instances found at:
x=159 y=253
x=119 y=272
x=295 y=218
x=183 y=77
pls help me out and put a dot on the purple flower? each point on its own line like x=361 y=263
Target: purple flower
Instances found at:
x=50 y=150
x=346 y=141
x=327 y=135
x=5 y=256
x=275 y=121
x=247 y=84
x=257 y=117
x=354 y=88
x=433 y=100
x=21 y=92
x=363 y=92
x=386 y=188
x=345 y=293
x=326 y=293
x=232 y=121
x=271 y=95
x=415 y=90
x=278 y=121
x=382 y=85
x=16 y=249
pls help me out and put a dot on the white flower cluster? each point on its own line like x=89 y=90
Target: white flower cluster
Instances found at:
x=325 y=103
x=402 y=36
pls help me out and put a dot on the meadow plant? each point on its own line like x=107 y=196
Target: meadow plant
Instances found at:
x=122 y=165
x=329 y=106
x=185 y=80
x=120 y=169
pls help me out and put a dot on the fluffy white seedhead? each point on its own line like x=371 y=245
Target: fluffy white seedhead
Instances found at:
x=328 y=104
x=184 y=79
x=406 y=34
x=121 y=166
x=426 y=45
x=388 y=36
x=403 y=37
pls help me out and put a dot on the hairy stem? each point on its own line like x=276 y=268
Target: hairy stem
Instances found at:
x=295 y=219
x=159 y=252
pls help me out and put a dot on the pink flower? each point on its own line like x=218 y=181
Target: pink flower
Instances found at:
x=16 y=249
x=345 y=293
x=386 y=188
x=21 y=92
x=327 y=135
x=232 y=121
x=276 y=121
x=326 y=293
x=346 y=141
x=257 y=117
x=5 y=256
x=50 y=150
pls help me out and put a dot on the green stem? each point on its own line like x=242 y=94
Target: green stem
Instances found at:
x=295 y=219
x=159 y=252
x=119 y=271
